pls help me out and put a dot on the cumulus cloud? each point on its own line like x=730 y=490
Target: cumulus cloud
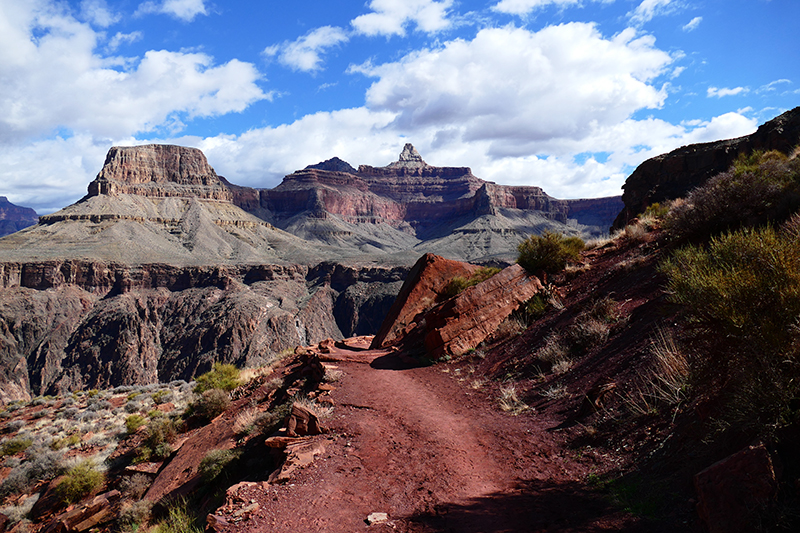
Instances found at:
x=717 y=92
x=692 y=24
x=57 y=80
x=390 y=17
x=185 y=10
x=305 y=53
x=519 y=88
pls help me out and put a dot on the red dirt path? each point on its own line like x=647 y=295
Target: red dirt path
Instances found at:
x=435 y=454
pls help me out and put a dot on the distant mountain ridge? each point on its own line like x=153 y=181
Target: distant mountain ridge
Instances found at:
x=163 y=203
x=14 y=218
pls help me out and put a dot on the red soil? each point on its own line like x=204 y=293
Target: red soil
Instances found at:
x=435 y=454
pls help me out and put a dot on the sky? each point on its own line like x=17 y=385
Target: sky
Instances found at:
x=568 y=95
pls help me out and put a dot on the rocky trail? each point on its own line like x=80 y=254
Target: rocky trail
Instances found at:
x=428 y=447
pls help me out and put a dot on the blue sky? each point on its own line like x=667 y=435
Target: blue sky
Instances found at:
x=569 y=95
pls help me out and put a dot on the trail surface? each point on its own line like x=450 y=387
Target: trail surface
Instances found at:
x=427 y=447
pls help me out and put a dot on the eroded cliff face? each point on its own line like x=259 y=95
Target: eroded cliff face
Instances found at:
x=673 y=175
x=14 y=218
x=74 y=325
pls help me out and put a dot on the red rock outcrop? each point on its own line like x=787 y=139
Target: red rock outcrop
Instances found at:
x=732 y=491
x=459 y=324
x=421 y=290
x=673 y=175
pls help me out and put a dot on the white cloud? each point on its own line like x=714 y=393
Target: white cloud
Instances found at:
x=523 y=7
x=390 y=17
x=98 y=12
x=185 y=10
x=58 y=81
x=693 y=24
x=717 y=92
x=123 y=38
x=649 y=9
x=305 y=53
x=519 y=88
x=771 y=86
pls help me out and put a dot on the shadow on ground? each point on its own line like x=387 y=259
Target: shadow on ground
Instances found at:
x=533 y=506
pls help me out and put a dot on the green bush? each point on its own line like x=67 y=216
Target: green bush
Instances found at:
x=759 y=188
x=161 y=432
x=79 y=481
x=15 y=446
x=134 y=422
x=742 y=298
x=459 y=284
x=179 y=520
x=210 y=404
x=548 y=252
x=221 y=376
x=215 y=462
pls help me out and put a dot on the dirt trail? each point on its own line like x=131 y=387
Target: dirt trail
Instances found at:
x=428 y=449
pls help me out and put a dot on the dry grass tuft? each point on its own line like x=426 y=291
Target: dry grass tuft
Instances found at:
x=509 y=400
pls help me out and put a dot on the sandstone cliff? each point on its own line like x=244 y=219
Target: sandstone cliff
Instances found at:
x=673 y=175
x=14 y=218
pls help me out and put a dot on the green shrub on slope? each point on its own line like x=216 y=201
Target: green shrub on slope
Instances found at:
x=548 y=252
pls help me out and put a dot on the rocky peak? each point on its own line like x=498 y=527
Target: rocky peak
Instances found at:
x=333 y=165
x=158 y=170
x=409 y=158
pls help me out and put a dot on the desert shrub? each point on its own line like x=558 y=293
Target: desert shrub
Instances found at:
x=79 y=481
x=66 y=442
x=459 y=284
x=134 y=422
x=655 y=211
x=742 y=298
x=162 y=396
x=215 y=462
x=210 y=404
x=221 y=376
x=70 y=412
x=269 y=422
x=135 y=486
x=244 y=423
x=758 y=188
x=13 y=425
x=99 y=405
x=548 y=252
x=15 y=446
x=133 y=515
x=585 y=334
x=161 y=433
x=133 y=407
x=179 y=520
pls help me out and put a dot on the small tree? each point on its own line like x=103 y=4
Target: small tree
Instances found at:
x=548 y=252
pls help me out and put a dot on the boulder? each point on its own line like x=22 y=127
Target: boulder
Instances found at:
x=459 y=324
x=302 y=422
x=731 y=490
x=421 y=290
x=100 y=510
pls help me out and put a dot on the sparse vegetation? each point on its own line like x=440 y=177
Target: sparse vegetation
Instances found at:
x=134 y=422
x=549 y=252
x=742 y=297
x=509 y=400
x=79 y=481
x=15 y=446
x=459 y=284
x=215 y=462
x=221 y=376
x=210 y=404
x=760 y=188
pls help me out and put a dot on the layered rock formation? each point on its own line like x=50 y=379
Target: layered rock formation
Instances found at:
x=75 y=325
x=673 y=175
x=14 y=218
